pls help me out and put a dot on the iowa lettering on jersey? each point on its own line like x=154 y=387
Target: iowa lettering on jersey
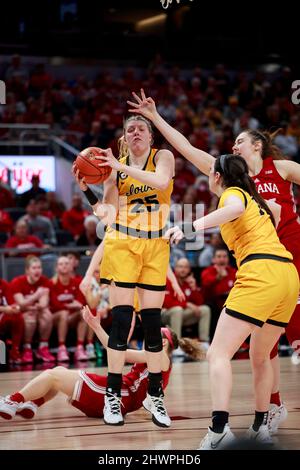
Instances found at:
x=267 y=187
x=138 y=189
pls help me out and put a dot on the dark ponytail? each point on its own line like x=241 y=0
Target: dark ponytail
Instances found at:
x=234 y=171
x=268 y=149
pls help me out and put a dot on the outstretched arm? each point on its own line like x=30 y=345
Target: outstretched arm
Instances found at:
x=233 y=208
x=94 y=264
x=94 y=322
x=146 y=106
x=131 y=355
x=288 y=170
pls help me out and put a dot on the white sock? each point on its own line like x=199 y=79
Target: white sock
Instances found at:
x=43 y=344
x=27 y=346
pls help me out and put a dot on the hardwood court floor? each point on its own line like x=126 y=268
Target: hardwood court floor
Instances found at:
x=60 y=426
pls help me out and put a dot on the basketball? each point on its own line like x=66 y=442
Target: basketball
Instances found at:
x=88 y=166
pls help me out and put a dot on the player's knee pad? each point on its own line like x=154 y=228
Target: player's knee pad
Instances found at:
x=120 y=328
x=151 y=322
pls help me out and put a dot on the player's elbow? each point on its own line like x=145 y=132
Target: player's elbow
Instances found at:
x=163 y=184
x=239 y=210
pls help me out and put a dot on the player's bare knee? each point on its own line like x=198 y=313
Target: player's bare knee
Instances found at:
x=56 y=373
x=259 y=359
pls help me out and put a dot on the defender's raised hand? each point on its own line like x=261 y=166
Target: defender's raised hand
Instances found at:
x=143 y=105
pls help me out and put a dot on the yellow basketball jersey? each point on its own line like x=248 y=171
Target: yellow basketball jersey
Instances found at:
x=143 y=210
x=252 y=232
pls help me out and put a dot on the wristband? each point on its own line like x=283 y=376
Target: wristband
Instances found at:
x=90 y=196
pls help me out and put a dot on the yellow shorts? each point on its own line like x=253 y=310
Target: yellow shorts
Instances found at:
x=264 y=291
x=132 y=262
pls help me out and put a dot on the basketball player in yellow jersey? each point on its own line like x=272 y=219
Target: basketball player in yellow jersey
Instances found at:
x=135 y=255
x=261 y=301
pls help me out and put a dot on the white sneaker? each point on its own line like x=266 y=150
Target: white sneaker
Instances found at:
x=217 y=440
x=90 y=351
x=277 y=414
x=112 y=410
x=8 y=408
x=155 y=405
x=262 y=436
x=27 y=409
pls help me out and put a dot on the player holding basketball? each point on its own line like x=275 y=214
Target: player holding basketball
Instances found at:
x=264 y=267
x=135 y=206
x=87 y=391
x=273 y=177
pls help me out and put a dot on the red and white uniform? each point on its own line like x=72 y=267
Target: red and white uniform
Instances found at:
x=271 y=186
x=5 y=296
x=20 y=285
x=63 y=294
x=10 y=323
x=90 y=389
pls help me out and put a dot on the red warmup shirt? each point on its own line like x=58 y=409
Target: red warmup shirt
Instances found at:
x=20 y=285
x=72 y=220
x=272 y=186
x=6 y=297
x=217 y=290
x=30 y=241
x=63 y=294
x=193 y=296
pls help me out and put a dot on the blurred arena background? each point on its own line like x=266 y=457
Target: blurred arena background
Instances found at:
x=68 y=69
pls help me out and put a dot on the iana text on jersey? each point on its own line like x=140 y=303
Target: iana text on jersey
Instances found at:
x=267 y=187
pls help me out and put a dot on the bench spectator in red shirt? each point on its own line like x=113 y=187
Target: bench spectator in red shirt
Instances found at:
x=218 y=279
x=31 y=293
x=66 y=302
x=22 y=240
x=11 y=321
x=192 y=310
x=73 y=219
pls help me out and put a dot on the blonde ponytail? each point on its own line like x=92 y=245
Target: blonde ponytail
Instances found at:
x=123 y=147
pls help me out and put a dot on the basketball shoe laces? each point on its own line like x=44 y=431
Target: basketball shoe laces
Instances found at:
x=8 y=401
x=159 y=405
x=115 y=403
